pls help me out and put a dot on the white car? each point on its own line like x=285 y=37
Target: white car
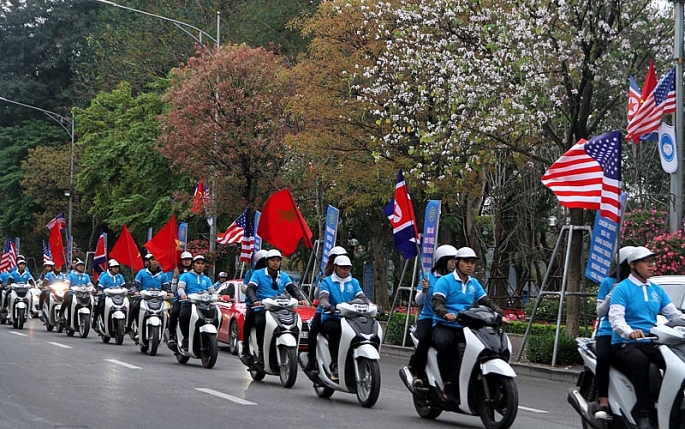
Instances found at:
x=674 y=285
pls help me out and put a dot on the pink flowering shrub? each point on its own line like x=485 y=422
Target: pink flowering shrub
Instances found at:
x=670 y=250
x=642 y=226
x=648 y=228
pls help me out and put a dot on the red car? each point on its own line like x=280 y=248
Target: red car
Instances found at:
x=232 y=307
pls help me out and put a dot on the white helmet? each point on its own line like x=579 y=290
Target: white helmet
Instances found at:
x=223 y=274
x=638 y=254
x=338 y=250
x=444 y=250
x=259 y=254
x=273 y=253
x=78 y=262
x=466 y=253
x=49 y=263
x=113 y=263
x=623 y=253
x=342 y=261
x=186 y=255
x=199 y=258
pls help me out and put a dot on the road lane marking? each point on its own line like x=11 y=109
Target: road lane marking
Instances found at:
x=64 y=346
x=124 y=364
x=226 y=396
x=533 y=410
x=18 y=333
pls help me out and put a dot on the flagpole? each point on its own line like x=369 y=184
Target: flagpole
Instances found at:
x=676 y=209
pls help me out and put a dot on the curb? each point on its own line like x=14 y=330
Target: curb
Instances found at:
x=562 y=374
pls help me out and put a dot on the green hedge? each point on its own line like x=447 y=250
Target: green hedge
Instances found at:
x=395 y=328
x=540 y=349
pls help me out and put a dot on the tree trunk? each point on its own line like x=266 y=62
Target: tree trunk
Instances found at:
x=380 y=280
x=574 y=277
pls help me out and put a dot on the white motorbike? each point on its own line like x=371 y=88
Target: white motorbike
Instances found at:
x=78 y=316
x=486 y=380
x=19 y=304
x=202 y=331
x=115 y=313
x=667 y=388
x=151 y=322
x=52 y=305
x=281 y=341
x=35 y=298
x=358 y=355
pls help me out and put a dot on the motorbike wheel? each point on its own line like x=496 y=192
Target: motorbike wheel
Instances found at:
x=119 y=332
x=20 y=318
x=182 y=359
x=154 y=341
x=105 y=339
x=288 y=369
x=369 y=382
x=60 y=327
x=83 y=326
x=323 y=391
x=210 y=351
x=233 y=339
x=424 y=409
x=257 y=375
x=500 y=411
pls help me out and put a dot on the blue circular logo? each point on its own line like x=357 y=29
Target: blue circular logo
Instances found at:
x=667 y=147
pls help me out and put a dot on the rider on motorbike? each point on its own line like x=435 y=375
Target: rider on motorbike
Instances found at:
x=453 y=293
x=268 y=283
x=76 y=278
x=259 y=259
x=223 y=278
x=152 y=277
x=191 y=282
x=109 y=279
x=20 y=275
x=336 y=288
x=186 y=267
x=47 y=278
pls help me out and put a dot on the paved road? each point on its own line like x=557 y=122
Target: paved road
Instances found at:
x=49 y=380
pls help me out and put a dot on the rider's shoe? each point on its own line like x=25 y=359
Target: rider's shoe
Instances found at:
x=334 y=371
x=184 y=344
x=245 y=357
x=311 y=366
x=603 y=413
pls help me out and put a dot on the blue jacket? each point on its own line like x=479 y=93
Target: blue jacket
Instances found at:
x=192 y=282
x=338 y=290
x=604 y=327
x=427 y=309
x=51 y=277
x=17 y=277
x=145 y=280
x=76 y=279
x=458 y=296
x=641 y=305
x=107 y=280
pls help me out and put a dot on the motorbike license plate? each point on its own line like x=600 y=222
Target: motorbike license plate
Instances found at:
x=304 y=335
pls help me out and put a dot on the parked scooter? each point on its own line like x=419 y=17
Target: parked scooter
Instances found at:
x=19 y=304
x=113 y=323
x=78 y=316
x=666 y=389
x=486 y=380
x=202 y=330
x=358 y=356
x=281 y=341
x=52 y=305
x=151 y=321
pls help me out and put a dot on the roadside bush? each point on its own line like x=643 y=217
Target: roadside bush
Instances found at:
x=547 y=311
x=395 y=329
x=541 y=347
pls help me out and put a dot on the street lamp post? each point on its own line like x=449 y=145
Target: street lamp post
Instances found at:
x=71 y=131
x=184 y=26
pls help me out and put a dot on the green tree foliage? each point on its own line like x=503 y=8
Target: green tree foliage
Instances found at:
x=126 y=180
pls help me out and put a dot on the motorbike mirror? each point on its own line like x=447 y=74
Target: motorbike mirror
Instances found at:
x=315 y=303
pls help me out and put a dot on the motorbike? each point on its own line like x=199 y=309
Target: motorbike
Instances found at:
x=203 y=328
x=666 y=388
x=116 y=310
x=486 y=380
x=35 y=298
x=358 y=356
x=19 y=304
x=78 y=316
x=152 y=319
x=281 y=341
x=52 y=305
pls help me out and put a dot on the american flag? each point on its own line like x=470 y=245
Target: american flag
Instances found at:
x=47 y=255
x=240 y=231
x=588 y=176
x=660 y=102
x=57 y=220
x=9 y=257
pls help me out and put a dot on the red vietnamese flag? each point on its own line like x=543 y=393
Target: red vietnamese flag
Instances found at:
x=56 y=247
x=126 y=252
x=165 y=245
x=198 y=197
x=282 y=224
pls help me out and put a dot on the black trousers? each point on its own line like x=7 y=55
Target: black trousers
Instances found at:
x=314 y=329
x=633 y=359
x=424 y=330
x=248 y=324
x=260 y=324
x=331 y=327
x=446 y=340
x=173 y=318
x=604 y=353
x=135 y=309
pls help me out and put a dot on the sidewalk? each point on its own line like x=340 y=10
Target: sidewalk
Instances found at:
x=566 y=374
